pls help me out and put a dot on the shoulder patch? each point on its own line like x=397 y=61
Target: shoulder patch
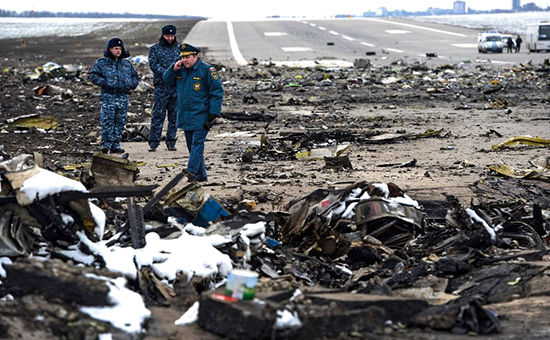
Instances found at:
x=212 y=69
x=214 y=75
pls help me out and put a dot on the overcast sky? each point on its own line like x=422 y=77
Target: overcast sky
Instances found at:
x=249 y=8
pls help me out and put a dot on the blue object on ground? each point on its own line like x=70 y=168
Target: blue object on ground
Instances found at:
x=211 y=210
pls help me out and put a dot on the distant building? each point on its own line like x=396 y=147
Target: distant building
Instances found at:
x=530 y=7
x=382 y=12
x=516 y=4
x=459 y=7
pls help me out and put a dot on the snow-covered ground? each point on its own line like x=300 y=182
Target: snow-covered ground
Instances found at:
x=62 y=27
x=515 y=23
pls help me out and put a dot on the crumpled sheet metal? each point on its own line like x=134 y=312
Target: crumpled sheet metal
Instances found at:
x=542 y=171
x=523 y=140
x=44 y=122
x=389 y=232
x=318 y=220
x=323 y=152
x=15 y=237
x=52 y=90
x=34 y=189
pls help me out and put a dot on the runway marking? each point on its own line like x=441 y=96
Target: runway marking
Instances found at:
x=367 y=44
x=418 y=27
x=398 y=32
x=498 y=62
x=348 y=38
x=334 y=33
x=465 y=45
x=322 y=28
x=274 y=34
x=296 y=49
x=312 y=25
x=438 y=56
x=234 y=46
x=393 y=50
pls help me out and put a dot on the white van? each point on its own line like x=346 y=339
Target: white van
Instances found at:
x=537 y=37
x=489 y=41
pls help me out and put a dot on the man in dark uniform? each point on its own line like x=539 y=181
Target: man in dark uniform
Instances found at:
x=518 y=44
x=510 y=44
x=162 y=55
x=200 y=96
x=116 y=76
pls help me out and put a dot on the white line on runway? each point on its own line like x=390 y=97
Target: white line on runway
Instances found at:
x=439 y=56
x=312 y=25
x=367 y=44
x=465 y=45
x=419 y=27
x=296 y=49
x=398 y=32
x=274 y=34
x=322 y=28
x=499 y=62
x=348 y=38
x=393 y=50
x=234 y=46
x=333 y=33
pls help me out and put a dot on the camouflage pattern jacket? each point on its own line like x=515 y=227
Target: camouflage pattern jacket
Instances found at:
x=114 y=77
x=161 y=56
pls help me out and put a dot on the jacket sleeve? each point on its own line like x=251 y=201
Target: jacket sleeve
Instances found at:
x=134 y=79
x=169 y=76
x=215 y=90
x=96 y=75
x=155 y=63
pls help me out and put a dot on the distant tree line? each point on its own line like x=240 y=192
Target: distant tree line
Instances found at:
x=48 y=14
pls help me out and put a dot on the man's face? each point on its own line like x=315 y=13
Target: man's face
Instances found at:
x=169 y=37
x=189 y=60
x=116 y=51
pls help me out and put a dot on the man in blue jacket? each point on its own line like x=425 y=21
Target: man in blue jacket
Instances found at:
x=200 y=96
x=162 y=55
x=116 y=76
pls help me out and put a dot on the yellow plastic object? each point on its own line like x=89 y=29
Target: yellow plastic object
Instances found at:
x=525 y=140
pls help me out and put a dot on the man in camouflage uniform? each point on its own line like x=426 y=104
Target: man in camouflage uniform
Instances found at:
x=200 y=97
x=116 y=76
x=161 y=56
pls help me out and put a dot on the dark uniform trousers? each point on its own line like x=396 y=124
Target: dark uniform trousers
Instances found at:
x=164 y=104
x=114 y=108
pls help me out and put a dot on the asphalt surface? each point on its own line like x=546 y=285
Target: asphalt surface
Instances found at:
x=341 y=41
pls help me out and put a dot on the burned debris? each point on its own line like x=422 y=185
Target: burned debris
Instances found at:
x=360 y=253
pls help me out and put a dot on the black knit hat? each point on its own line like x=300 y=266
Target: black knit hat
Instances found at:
x=115 y=42
x=169 y=30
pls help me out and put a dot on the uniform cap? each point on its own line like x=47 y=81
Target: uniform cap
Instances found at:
x=169 y=30
x=186 y=49
x=115 y=42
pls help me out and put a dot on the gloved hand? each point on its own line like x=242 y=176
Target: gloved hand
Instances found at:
x=209 y=121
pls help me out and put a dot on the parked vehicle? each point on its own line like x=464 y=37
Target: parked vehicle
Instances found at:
x=489 y=41
x=537 y=37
